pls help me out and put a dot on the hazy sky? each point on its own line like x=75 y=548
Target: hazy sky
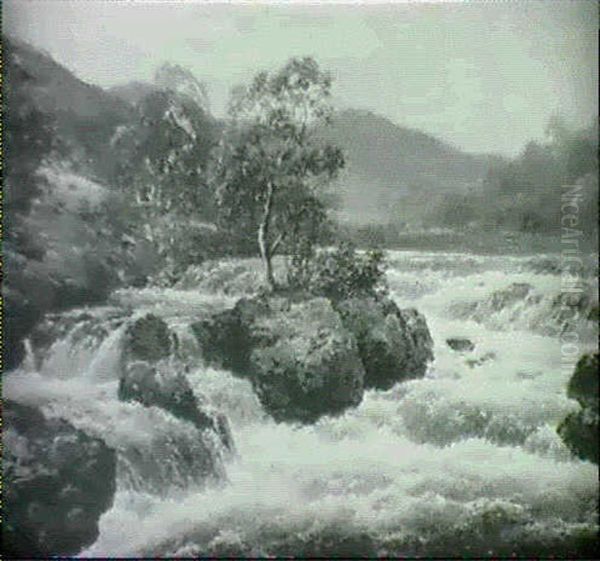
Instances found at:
x=484 y=76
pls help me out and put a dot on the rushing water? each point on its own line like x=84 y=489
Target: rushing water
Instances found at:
x=466 y=459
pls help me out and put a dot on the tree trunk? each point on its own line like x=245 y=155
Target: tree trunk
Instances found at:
x=263 y=238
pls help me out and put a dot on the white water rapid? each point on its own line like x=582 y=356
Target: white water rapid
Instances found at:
x=464 y=457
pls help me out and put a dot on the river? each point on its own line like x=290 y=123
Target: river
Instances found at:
x=465 y=460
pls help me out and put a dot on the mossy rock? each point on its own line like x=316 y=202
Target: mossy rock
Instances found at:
x=149 y=339
x=394 y=345
x=579 y=430
x=583 y=385
x=302 y=361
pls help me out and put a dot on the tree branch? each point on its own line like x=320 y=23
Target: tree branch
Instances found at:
x=277 y=242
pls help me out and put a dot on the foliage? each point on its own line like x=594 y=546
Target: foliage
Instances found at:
x=521 y=194
x=341 y=273
x=163 y=157
x=269 y=167
x=527 y=191
x=29 y=139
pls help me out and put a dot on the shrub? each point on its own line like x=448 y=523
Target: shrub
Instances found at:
x=340 y=273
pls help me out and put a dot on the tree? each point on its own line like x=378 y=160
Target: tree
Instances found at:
x=527 y=189
x=269 y=167
x=163 y=154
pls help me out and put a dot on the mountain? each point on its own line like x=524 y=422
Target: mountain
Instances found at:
x=84 y=116
x=386 y=164
x=77 y=159
x=168 y=78
x=132 y=92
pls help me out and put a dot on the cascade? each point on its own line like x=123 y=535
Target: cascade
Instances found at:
x=465 y=456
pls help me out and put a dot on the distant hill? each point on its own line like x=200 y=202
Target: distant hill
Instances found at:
x=391 y=171
x=386 y=163
x=132 y=92
x=84 y=116
x=171 y=78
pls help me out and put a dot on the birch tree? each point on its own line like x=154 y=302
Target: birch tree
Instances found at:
x=269 y=166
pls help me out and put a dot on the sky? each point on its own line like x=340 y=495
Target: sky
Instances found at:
x=484 y=76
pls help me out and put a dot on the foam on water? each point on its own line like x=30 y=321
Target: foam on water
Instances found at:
x=78 y=380
x=291 y=481
x=466 y=458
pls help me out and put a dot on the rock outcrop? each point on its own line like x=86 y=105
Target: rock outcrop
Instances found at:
x=583 y=385
x=152 y=375
x=225 y=340
x=57 y=483
x=579 y=430
x=306 y=363
x=152 y=385
x=307 y=357
x=460 y=344
x=394 y=345
x=149 y=339
x=301 y=360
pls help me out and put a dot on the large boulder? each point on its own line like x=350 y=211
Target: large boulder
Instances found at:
x=152 y=374
x=306 y=364
x=149 y=339
x=302 y=361
x=57 y=483
x=579 y=430
x=393 y=344
x=308 y=357
x=583 y=385
x=224 y=339
x=170 y=390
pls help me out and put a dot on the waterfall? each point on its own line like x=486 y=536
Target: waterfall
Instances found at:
x=78 y=380
x=466 y=458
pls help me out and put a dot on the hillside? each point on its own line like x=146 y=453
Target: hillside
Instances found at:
x=387 y=166
x=84 y=117
x=168 y=77
x=74 y=156
x=386 y=162
x=104 y=188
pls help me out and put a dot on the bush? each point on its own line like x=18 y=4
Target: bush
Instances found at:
x=340 y=273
